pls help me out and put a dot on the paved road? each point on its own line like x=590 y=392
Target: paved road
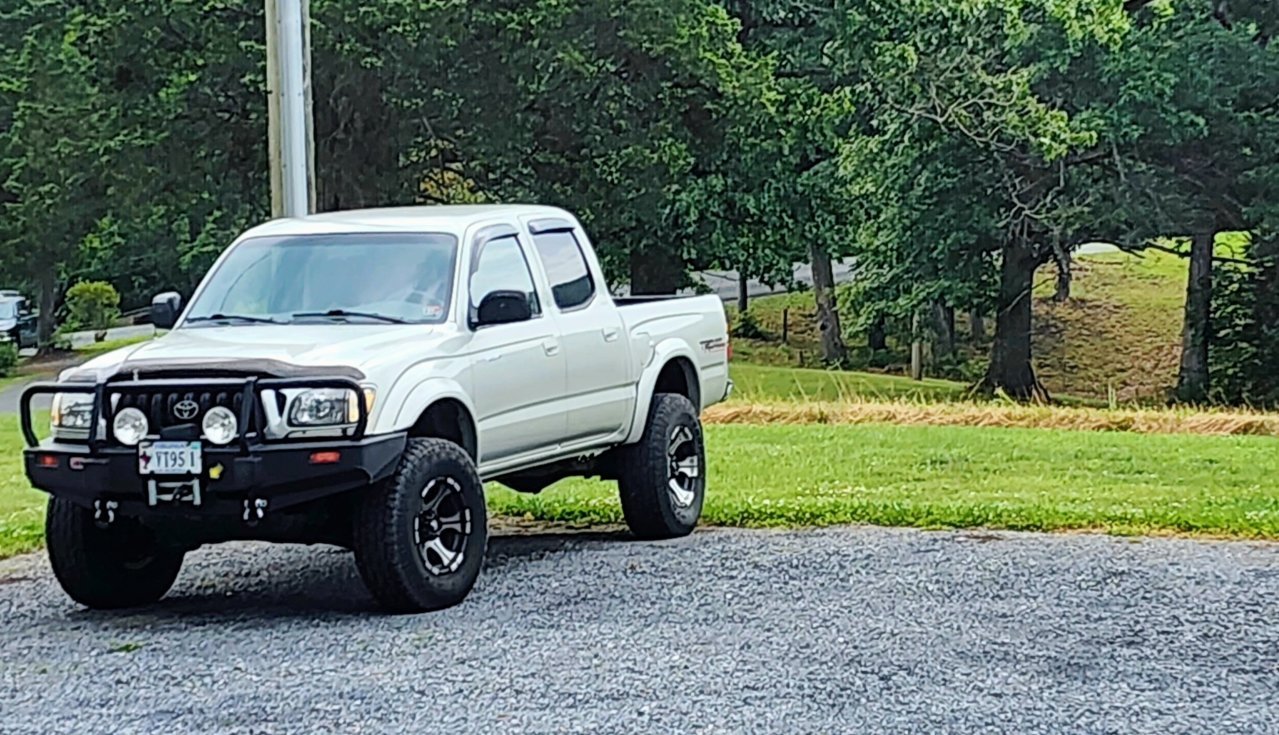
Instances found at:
x=859 y=630
x=9 y=397
x=84 y=339
x=724 y=283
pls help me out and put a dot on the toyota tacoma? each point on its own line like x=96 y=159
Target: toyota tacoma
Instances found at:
x=354 y=378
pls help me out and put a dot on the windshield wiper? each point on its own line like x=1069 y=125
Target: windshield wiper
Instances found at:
x=343 y=313
x=234 y=318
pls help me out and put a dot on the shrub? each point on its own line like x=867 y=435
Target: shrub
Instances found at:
x=8 y=358
x=93 y=305
x=748 y=327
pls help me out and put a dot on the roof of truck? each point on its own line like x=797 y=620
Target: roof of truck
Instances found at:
x=443 y=218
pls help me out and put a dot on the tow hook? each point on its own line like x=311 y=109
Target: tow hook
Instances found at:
x=254 y=510
x=104 y=512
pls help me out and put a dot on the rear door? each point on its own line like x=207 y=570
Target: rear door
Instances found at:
x=518 y=369
x=601 y=393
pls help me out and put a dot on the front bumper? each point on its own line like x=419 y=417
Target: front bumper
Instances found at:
x=251 y=473
x=283 y=475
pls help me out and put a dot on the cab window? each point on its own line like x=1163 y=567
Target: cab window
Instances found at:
x=566 y=269
x=500 y=266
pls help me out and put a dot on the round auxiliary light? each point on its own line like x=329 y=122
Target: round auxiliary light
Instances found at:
x=130 y=427
x=220 y=425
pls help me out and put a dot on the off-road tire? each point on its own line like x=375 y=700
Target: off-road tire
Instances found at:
x=387 y=551
x=109 y=568
x=644 y=472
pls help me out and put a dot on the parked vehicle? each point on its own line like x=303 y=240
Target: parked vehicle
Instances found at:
x=353 y=378
x=17 y=321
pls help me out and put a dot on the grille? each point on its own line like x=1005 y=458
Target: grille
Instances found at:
x=159 y=405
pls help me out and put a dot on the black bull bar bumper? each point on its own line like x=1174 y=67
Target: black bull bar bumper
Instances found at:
x=250 y=472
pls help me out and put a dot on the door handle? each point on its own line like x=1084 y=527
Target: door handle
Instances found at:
x=492 y=358
x=611 y=334
x=551 y=347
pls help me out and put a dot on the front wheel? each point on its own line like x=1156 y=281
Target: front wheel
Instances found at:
x=106 y=568
x=662 y=478
x=420 y=536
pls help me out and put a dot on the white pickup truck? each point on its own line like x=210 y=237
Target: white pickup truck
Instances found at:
x=353 y=378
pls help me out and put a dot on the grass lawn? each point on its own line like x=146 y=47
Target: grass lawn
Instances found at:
x=929 y=476
x=925 y=476
x=21 y=508
x=767 y=383
x=101 y=348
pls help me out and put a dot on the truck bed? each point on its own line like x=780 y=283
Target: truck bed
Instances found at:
x=624 y=301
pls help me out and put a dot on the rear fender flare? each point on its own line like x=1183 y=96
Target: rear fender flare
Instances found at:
x=663 y=353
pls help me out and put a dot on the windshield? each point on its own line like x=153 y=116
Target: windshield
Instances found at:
x=349 y=278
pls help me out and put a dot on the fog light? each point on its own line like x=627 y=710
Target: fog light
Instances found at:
x=130 y=427
x=220 y=425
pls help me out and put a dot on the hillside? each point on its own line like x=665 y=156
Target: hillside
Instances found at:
x=1120 y=331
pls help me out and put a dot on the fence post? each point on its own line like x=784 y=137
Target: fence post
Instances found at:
x=916 y=350
x=786 y=326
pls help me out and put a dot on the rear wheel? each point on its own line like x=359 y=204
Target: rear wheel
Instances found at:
x=107 y=567
x=420 y=536
x=662 y=478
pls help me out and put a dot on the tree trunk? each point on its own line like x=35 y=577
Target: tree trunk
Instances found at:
x=834 y=352
x=743 y=293
x=916 y=349
x=1193 y=377
x=943 y=329
x=46 y=321
x=655 y=274
x=877 y=337
x=1011 y=369
x=977 y=325
x=1065 y=276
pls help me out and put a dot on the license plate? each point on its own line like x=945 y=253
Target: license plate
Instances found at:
x=169 y=458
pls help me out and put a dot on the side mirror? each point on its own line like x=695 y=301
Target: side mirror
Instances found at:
x=165 y=309
x=503 y=307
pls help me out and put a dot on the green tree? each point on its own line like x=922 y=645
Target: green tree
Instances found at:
x=57 y=151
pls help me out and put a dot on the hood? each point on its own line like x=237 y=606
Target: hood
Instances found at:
x=353 y=350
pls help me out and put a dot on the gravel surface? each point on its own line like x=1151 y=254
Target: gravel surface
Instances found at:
x=850 y=630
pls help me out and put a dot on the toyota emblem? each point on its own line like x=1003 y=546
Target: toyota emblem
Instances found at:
x=186 y=410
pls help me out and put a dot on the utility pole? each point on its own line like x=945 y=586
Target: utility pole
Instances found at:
x=289 y=127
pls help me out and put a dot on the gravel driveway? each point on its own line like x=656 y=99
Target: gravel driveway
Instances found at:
x=851 y=630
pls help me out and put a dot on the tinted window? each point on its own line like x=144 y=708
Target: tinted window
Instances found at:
x=571 y=282
x=501 y=267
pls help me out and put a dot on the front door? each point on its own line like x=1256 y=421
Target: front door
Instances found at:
x=518 y=369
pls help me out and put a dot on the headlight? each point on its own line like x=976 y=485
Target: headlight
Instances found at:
x=324 y=407
x=71 y=411
x=130 y=427
x=220 y=425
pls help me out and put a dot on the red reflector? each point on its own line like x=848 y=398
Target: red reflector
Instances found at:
x=47 y=460
x=326 y=457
